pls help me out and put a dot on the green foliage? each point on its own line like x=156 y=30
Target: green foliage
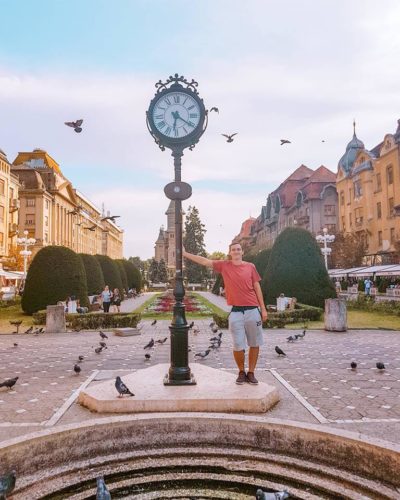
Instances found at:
x=383 y=283
x=361 y=285
x=194 y=243
x=133 y=275
x=296 y=268
x=94 y=321
x=4 y=304
x=153 y=271
x=111 y=273
x=94 y=274
x=122 y=272
x=219 y=281
x=55 y=273
x=260 y=260
x=367 y=303
x=162 y=271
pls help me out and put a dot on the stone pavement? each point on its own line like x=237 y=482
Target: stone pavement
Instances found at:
x=315 y=380
x=129 y=305
x=216 y=300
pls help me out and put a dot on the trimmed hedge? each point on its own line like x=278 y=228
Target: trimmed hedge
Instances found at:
x=112 y=276
x=94 y=321
x=122 y=272
x=302 y=312
x=94 y=274
x=133 y=274
x=365 y=303
x=296 y=268
x=55 y=273
x=11 y=302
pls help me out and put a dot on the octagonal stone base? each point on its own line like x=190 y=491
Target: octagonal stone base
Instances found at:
x=216 y=391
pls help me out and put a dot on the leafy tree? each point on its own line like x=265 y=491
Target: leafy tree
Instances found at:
x=219 y=282
x=140 y=264
x=152 y=273
x=296 y=268
x=111 y=273
x=133 y=275
x=260 y=260
x=217 y=256
x=55 y=273
x=194 y=243
x=348 y=250
x=122 y=273
x=94 y=274
x=162 y=271
x=14 y=261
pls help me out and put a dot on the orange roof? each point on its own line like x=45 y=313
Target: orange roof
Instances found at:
x=37 y=154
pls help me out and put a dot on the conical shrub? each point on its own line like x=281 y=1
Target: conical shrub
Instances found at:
x=111 y=273
x=94 y=274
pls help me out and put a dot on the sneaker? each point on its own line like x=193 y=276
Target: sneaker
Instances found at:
x=241 y=378
x=251 y=379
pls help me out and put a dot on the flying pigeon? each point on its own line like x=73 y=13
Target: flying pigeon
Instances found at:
x=91 y=228
x=111 y=218
x=103 y=335
x=229 y=137
x=7 y=484
x=279 y=495
x=279 y=351
x=149 y=345
x=214 y=109
x=380 y=365
x=353 y=365
x=285 y=141
x=9 y=382
x=77 y=369
x=121 y=388
x=202 y=354
x=77 y=126
x=102 y=492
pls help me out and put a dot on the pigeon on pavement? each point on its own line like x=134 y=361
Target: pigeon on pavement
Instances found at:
x=102 y=492
x=380 y=365
x=147 y=356
x=7 y=484
x=77 y=369
x=291 y=339
x=80 y=358
x=191 y=325
x=29 y=330
x=301 y=335
x=103 y=335
x=162 y=341
x=103 y=345
x=202 y=354
x=98 y=350
x=9 y=383
x=121 y=388
x=149 y=345
x=353 y=365
x=154 y=323
x=279 y=351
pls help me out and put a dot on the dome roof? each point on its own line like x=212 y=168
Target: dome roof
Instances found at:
x=352 y=148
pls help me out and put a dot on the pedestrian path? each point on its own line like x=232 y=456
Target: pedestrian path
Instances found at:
x=130 y=305
x=217 y=300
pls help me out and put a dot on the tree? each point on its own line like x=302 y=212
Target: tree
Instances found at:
x=111 y=273
x=348 y=250
x=94 y=274
x=162 y=271
x=296 y=268
x=133 y=275
x=153 y=271
x=140 y=264
x=194 y=243
x=55 y=273
x=122 y=272
x=219 y=283
x=217 y=256
x=260 y=260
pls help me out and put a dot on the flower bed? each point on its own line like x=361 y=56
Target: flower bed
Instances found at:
x=164 y=303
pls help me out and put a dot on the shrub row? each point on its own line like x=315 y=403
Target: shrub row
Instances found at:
x=11 y=302
x=94 y=321
x=364 y=303
x=302 y=312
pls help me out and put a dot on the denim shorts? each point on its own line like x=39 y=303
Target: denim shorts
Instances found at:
x=246 y=329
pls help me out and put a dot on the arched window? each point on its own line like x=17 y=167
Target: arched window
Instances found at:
x=277 y=205
x=299 y=200
x=269 y=207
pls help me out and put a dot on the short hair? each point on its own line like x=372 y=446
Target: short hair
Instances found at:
x=234 y=243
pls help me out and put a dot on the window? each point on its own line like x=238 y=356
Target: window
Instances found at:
x=329 y=210
x=380 y=238
x=349 y=200
x=1 y=239
x=30 y=202
x=46 y=221
x=350 y=219
x=2 y=186
x=47 y=204
x=359 y=216
x=392 y=236
x=391 y=207
x=378 y=182
x=343 y=223
x=11 y=193
x=29 y=219
x=46 y=238
x=379 y=210
x=331 y=228
x=1 y=213
x=342 y=197
x=357 y=189
x=390 y=174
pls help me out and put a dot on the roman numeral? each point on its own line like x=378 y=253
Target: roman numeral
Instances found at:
x=190 y=124
x=177 y=99
x=159 y=107
x=159 y=117
x=193 y=115
x=167 y=131
x=161 y=124
x=191 y=107
x=185 y=130
x=185 y=100
x=176 y=132
x=166 y=100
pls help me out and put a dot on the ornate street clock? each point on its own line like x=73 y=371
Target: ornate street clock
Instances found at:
x=176 y=117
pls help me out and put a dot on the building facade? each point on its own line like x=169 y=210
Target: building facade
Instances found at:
x=9 y=206
x=307 y=199
x=54 y=213
x=368 y=184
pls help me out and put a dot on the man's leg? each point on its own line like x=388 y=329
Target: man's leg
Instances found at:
x=254 y=334
x=236 y=327
x=239 y=358
x=253 y=357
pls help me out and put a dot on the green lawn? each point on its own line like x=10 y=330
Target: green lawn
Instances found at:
x=14 y=313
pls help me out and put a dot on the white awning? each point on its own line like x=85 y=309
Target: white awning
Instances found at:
x=11 y=275
x=341 y=273
x=372 y=270
x=392 y=271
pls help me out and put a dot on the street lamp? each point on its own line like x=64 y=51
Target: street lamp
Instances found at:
x=25 y=242
x=325 y=239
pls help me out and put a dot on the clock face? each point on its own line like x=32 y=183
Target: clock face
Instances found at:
x=176 y=115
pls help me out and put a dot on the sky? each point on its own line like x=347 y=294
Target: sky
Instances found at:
x=301 y=70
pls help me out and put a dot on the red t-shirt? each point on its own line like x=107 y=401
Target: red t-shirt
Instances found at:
x=239 y=282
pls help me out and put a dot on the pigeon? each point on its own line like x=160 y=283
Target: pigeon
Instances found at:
x=301 y=335
x=149 y=345
x=353 y=365
x=214 y=109
x=91 y=228
x=77 y=369
x=98 y=350
x=216 y=339
x=285 y=141
x=29 y=330
x=162 y=341
x=154 y=323
x=229 y=137
x=191 y=325
x=102 y=492
x=75 y=211
x=103 y=345
x=291 y=339
x=211 y=324
x=279 y=351
x=9 y=382
x=147 y=356
x=7 y=484
x=202 y=354
x=15 y=344
x=196 y=330
x=380 y=365
x=214 y=329
x=121 y=388
x=77 y=126
x=103 y=335
x=111 y=218
x=80 y=358
x=279 y=495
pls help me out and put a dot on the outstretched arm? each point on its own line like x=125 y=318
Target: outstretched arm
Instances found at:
x=203 y=261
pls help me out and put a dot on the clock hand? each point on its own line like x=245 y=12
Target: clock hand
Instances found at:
x=178 y=115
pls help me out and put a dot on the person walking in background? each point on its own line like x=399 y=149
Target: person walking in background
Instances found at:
x=243 y=293
x=106 y=296
x=368 y=284
x=116 y=300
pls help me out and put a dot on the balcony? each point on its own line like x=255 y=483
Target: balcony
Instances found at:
x=12 y=228
x=359 y=221
x=14 y=205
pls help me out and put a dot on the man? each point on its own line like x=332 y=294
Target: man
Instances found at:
x=368 y=284
x=243 y=293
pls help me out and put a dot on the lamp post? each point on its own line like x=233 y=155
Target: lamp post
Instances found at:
x=325 y=239
x=25 y=242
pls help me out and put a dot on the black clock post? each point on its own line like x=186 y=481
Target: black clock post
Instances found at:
x=176 y=119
